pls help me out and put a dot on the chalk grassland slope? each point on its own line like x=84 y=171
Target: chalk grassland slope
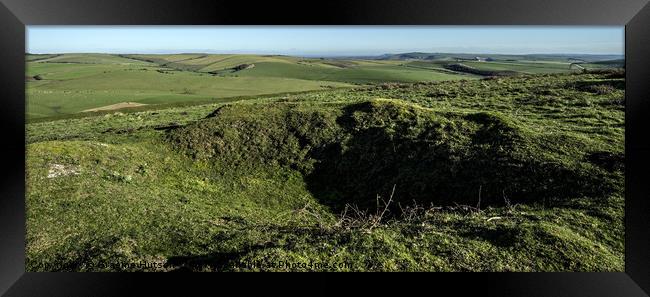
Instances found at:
x=72 y=83
x=67 y=88
x=353 y=153
x=530 y=67
x=348 y=70
x=65 y=84
x=87 y=59
x=525 y=64
x=499 y=57
x=219 y=187
x=36 y=57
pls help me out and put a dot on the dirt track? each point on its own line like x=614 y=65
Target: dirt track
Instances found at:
x=116 y=106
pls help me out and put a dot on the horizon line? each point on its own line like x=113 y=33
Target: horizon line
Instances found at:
x=323 y=55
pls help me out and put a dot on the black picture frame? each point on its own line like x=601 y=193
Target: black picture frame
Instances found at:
x=633 y=14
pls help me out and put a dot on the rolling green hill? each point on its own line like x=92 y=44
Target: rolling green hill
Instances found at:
x=73 y=83
x=60 y=85
x=520 y=173
x=497 y=57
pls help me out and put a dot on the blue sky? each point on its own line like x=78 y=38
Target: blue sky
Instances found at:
x=326 y=40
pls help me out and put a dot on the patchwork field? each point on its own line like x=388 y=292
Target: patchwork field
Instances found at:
x=306 y=164
x=60 y=85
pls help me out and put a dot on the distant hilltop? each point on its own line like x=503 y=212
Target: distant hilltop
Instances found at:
x=567 y=57
x=585 y=58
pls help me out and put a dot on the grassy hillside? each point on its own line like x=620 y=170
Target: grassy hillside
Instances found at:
x=530 y=67
x=91 y=59
x=87 y=81
x=355 y=74
x=65 y=84
x=520 y=173
x=498 y=57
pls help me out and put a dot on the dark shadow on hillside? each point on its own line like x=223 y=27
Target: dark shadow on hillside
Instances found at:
x=439 y=165
x=599 y=87
x=608 y=160
x=219 y=261
x=168 y=127
x=364 y=150
x=283 y=237
x=500 y=236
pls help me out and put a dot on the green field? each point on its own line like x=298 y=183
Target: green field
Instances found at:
x=66 y=84
x=359 y=164
x=70 y=84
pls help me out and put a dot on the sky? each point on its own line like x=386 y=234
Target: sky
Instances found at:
x=326 y=40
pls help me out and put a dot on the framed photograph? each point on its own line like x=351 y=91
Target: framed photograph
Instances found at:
x=501 y=147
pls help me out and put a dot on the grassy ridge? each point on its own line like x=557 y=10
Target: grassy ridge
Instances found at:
x=361 y=74
x=216 y=187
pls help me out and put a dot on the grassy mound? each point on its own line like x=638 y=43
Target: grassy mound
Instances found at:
x=244 y=187
x=382 y=149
